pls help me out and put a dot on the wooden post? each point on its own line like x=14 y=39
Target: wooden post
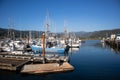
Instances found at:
x=43 y=47
x=117 y=46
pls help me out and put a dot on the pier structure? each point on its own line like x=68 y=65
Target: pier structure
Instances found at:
x=47 y=68
x=113 y=43
x=15 y=62
x=12 y=64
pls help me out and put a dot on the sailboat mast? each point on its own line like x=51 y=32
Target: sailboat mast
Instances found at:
x=47 y=25
x=20 y=34
x=10 y=29
x=65 y=30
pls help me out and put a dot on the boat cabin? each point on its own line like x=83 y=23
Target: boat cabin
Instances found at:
x=118 y=37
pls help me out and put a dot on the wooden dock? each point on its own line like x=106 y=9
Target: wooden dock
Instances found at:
x=113 y=43
x=12 y=64
x=47 y=68
x=16 y=60
x=33 y=64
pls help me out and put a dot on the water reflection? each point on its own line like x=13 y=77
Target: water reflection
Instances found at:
x=113 y=49
x=99 y=44
x=117 y=51
x=103 y=45
x=74 y=50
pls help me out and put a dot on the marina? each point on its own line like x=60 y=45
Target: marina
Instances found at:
x=47 y=51
x=94 y=60
x=15 y=62
x=48 y=54
x=59 y=40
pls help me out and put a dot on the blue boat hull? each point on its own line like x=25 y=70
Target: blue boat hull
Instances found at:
x=56 y=50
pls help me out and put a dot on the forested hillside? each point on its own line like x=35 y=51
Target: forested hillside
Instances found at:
x=4 y=33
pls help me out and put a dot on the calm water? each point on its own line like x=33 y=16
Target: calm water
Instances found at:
x=93 y=61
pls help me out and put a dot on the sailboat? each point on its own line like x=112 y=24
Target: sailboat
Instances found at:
x=70 y=38
x=51 y=44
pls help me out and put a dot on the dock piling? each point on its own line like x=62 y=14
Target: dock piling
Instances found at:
x=43 y=47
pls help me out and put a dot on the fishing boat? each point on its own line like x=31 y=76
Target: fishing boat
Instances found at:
x=36 y=48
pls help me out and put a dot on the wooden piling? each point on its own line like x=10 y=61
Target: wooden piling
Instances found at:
x=112 y=43
x=28 y=38
x=43 y=47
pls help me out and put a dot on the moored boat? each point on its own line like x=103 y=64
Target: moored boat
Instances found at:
x=52 y=49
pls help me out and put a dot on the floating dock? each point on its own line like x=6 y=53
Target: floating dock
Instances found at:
x=47 y=68
x=33 y=64
x=12 y=64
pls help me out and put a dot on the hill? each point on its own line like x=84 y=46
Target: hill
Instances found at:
x=5 y=33
x=97 y=34
x=81 y=34
x=103 y=33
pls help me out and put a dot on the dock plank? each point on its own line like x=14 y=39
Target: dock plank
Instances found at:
x=11 y=63
x=47 y=68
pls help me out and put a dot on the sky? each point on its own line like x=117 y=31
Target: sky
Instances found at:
x=74 y=15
